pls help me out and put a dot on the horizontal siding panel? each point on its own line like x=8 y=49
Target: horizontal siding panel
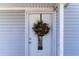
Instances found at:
x=12 y=14
x=12 y=33
x=12 y=28
x=72 y=7
x=12 y=17
x=72 y=11
x=12 y=22
x=71 y=30
x=11 y=11
x=12 y=25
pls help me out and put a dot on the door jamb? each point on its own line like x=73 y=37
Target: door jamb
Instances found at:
x=27 y=34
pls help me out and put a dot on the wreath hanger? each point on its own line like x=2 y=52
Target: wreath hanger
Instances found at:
x=40 y=29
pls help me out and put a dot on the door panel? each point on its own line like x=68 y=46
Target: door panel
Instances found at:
x=33 y=39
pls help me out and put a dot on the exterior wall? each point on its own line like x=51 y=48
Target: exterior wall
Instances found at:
x=71 y=30
x=12 y=33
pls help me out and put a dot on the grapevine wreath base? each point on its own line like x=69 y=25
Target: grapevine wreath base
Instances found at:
x=40 y=29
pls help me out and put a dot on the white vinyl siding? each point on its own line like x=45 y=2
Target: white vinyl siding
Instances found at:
x=71 y=29
x=12 y=32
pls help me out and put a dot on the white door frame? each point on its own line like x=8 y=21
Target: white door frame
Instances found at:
x=53 y=44
x=61 y=28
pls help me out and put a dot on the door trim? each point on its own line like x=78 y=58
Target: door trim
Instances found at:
x=53 y=32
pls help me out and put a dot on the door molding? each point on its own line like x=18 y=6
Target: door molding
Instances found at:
x=53 y=44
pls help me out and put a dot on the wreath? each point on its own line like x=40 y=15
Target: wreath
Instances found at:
x=41 y=29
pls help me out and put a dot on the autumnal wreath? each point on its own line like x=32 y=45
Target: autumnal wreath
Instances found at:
x=41 y=28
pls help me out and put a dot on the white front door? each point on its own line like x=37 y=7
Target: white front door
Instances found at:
x=33 y=39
